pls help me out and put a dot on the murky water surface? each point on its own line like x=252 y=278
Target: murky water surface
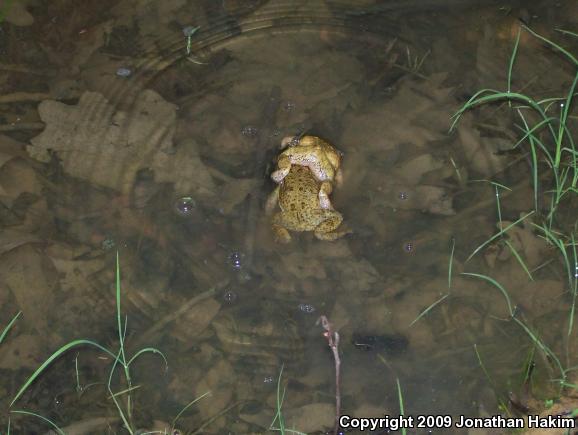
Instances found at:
x=150 y=128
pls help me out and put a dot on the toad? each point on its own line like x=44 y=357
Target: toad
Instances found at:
x=320 y=157
x=301 y=209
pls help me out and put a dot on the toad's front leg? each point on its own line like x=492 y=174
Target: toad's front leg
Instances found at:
x=284 y=166
x=324 y=191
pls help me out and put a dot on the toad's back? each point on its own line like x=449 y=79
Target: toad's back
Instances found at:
x=298 y=199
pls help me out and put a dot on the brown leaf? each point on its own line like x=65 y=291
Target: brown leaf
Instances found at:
x=12 y=239
x=311 y=418
x=194 y=322
x=480 y=153
x=235 y=192
x=32 y=279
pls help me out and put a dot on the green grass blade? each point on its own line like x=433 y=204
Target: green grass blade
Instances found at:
x=9 y=326
x=44 y=419
x=555 y=46
x=556 y=241
x=517 y=256
x=122 y=355
x=49 y=361
x=563 y=120
x=572 y=151
x=528 y=366
x=450 y=266
x=501 y=404
x=280 y=398
x=125 y=420
x=499 y=209
x=469 y=104
x=574 y=288
x=496 y=96
x=499 y=234
x=173 y=424
x=493 y=183
x=567 y=32
x=530 y=131
x=495 y=284
x=529 y=134
x=536 y=140
x=401 y=407
x=547 y=351
x=512 y=59
x=118 y=309
x=483 y=366
x=149 y=350
x=540 y=344
x=125 y=391
x=428 y=309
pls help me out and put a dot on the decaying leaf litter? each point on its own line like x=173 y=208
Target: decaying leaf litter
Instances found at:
x=114 y=153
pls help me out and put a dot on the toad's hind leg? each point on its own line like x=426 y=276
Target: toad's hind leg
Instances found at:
x=329 y=228
x=281 y=233
x=272 y=201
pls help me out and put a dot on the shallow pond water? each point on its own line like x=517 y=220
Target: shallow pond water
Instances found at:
x=150 y=128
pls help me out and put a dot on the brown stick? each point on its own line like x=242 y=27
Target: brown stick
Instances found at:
x=27 y=70
x=333 y=342
x=150 y=333
x=22 y=126
x=19 y=97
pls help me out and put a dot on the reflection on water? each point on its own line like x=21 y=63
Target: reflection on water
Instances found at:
x=124 y=129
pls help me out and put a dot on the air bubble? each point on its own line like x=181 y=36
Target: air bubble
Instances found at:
x=249 y=131
x=123 y=72
x=185 y=205
x=307 y=308
x=289 y=106
x=230 y=297
x=236 y=260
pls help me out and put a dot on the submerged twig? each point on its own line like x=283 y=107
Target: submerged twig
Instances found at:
x=19 y=97
x=26 y=70
x=161 y=323
x=19 y=126
x=87 y=425
x=332 y=337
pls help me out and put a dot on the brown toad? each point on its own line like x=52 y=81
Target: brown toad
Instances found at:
x=320 y=157
x=301 y=210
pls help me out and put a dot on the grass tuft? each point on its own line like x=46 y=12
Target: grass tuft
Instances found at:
x=549 y=138
x=119 y=357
